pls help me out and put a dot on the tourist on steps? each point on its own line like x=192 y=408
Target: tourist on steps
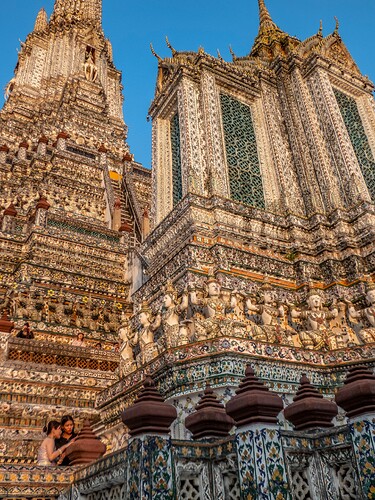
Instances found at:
x=67 y=435
x=47 y=453
x=25 y=333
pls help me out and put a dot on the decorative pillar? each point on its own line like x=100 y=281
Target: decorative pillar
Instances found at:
x=4 y=150
x=149 y=452
x=41 y=211
x=22 y=151
x=61 y=141
x=262 y=469
x=309 y=409
x=102 y=155
x=126 y=231
x=357 y=398
x=87 y=448
x=42 y=146
x=210 y=418
x=8 y=218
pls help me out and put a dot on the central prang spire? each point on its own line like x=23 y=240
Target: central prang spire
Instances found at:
x=82 y=10
x=265 y=20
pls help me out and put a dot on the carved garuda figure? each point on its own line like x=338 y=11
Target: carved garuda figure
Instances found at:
x=317 y=333
x=272 y=317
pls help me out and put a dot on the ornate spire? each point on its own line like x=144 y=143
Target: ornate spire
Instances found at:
x=265 y=20
x=82 y=10
x=270 y=40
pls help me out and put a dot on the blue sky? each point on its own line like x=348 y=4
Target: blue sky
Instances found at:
x=213 y=24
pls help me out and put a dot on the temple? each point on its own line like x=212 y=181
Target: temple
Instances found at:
x=236 y=277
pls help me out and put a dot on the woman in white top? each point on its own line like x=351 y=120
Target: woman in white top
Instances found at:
x=79 y=341
x=47 y=453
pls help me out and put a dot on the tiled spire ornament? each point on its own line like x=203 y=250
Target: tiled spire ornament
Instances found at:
x=309 y=409
x=210 y=418
x=150 y=414
x=253 y=402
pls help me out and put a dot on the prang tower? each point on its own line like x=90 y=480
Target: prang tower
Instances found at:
x=72 y=200
x=263 y=245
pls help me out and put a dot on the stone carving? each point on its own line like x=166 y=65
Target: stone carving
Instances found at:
x=214 y=310
x=272 y=315
x=128 y=363
x=169 y=316
x=366 y=315
x=145 y=335
x=317 y=333
x=91 y=71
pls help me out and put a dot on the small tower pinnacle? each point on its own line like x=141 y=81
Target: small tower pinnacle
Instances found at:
x=41 y=21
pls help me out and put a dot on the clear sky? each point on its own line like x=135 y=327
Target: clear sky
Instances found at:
x=214 y=24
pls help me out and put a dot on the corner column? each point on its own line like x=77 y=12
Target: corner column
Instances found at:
x=262 y=469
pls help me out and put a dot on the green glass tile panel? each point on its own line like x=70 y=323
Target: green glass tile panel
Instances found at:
x=176 y=159
x=242 y=156
x=358 y=138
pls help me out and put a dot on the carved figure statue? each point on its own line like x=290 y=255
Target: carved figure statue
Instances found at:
x=169 y=315
x=32 y=313
x=6 y=304
x=126 y=351
x=236 y=310
x=317 y=333
x=145 y=336
x=214 y=310
x=59 y=314
x=45 y=311
x=272 y=317
x=366 y=316
x=91 y=71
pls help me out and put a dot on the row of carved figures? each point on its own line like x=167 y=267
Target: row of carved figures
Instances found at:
x=63 y=312
x=190 y=318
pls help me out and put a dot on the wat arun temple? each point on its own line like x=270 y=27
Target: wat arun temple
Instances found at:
x=225 y=298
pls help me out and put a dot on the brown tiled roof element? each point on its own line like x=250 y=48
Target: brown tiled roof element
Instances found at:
x=43 y=203
x=87 y=448
x=253 y=402
x=11 y=210
x=6 y=325
x=150 y=413
x=210 y=418
x=309 y=409
x=357 y=396
x=43 y=139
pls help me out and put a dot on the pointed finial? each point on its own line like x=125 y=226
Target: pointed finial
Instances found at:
x=219 y=55
x=264 y=15
x=234 y=57
x=337 y=26
x=154 y=53
x=174 y=51
x=320 y=32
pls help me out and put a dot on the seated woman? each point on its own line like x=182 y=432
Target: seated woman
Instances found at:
x=47 y=453
x=79 y=341
x=67 y=428
x=25 y=333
